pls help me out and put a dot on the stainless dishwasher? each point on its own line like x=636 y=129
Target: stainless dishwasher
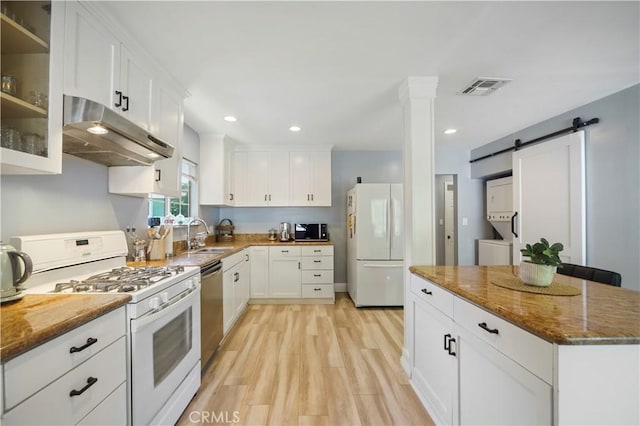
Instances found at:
x=211 y=320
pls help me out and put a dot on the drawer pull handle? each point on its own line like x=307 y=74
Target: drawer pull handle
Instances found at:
x=446 y=342
x=425 y=291
x=317 y=261
x=483 y=325
x=90 y=341
x=284 y=251
x=317 y=251
x=317 y=275
x=90 y=382
x=317 y=289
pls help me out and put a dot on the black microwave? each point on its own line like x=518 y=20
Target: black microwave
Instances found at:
x=311 y=232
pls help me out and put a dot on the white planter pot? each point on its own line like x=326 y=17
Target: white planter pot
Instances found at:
x=534 y=274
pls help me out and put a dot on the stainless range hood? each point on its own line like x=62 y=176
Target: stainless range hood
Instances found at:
x=96 y=133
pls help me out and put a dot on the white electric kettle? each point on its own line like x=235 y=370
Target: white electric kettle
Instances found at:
x=12 y=273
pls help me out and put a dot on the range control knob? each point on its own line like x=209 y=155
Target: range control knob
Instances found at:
x=154 y=303
x=190 y=284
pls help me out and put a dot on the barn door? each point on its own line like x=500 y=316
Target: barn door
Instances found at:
x=549 y=196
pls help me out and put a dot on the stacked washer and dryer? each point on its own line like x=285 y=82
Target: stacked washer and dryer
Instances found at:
x=500 y=215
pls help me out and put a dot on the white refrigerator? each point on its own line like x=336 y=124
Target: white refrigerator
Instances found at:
x=375 y=244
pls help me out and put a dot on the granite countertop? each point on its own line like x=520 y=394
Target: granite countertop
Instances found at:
x=185 y=258
x=37 y=318
x=602 y=314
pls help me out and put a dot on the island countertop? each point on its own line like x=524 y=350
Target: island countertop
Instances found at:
x=602 y=314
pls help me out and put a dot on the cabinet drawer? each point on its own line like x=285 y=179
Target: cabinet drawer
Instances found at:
x=54 y=405
x=528 y=350
x=317 y=291
x=234 y=259
x=284 y=251
x=317 y=277
x=31 y=371
x=317 y=262
x=111 y=411
x=433 y=294
x=317 y=251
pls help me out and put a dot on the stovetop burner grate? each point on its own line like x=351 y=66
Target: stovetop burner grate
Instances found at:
x=124 y=279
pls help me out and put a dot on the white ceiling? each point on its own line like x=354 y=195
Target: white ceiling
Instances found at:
x=334 y=68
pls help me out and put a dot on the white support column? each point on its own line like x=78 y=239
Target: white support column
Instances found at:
x=417 y=95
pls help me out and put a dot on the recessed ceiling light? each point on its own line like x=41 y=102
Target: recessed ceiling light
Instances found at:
x=450 y=131
x=97 y=130
x=295 y=128
x=230 y=119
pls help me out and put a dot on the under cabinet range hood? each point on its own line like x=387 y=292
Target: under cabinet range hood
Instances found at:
x=96 y=133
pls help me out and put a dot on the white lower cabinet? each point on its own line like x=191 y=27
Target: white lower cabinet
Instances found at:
x=259 y=272
x=473 y=368
x=292 y=272
x=284 y=272
x=317 y=272
x=435 y=370
x=495 y=390
x=88 y=385
x=235 y=287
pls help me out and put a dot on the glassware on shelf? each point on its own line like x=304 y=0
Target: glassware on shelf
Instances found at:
x=9 y=84
x=38 y=99
x=11 y=138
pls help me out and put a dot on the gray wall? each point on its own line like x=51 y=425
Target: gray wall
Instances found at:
x=372 y=166
x=612 y=178
x=76 y=200
x=469 y=201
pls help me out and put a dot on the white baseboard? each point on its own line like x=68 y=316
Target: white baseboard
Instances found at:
x=340 y=287
x=405 y=362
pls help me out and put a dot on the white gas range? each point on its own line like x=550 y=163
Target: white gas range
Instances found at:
x=163 y=316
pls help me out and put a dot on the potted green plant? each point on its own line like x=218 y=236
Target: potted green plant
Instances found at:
x=544 y=260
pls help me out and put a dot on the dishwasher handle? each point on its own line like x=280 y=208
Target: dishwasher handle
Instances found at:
x=210 y=269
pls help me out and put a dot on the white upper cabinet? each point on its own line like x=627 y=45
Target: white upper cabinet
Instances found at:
x=214 y=169
x=98 y=66
x=91 y=57
x=238 y=180
x=136 y=86
x=310 y=178
x=34 y=57
x=267 y=179
x=168 y=126
x=252 y=176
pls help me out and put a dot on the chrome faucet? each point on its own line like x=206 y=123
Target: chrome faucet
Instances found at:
x=192 y=244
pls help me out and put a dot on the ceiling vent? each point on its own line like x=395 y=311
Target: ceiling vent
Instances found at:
x=483 y=86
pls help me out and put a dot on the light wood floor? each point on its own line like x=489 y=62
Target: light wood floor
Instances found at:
x=309 y=365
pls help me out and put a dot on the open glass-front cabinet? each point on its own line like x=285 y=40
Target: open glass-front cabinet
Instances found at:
x=31 y=63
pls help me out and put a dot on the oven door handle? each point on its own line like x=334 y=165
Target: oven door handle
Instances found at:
x=175 y=304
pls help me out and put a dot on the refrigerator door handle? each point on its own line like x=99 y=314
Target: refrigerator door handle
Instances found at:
x=385 y=266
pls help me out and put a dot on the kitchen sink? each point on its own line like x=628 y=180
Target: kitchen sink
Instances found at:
x=213 y=250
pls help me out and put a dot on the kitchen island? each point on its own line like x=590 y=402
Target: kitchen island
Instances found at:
x=479 y=353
